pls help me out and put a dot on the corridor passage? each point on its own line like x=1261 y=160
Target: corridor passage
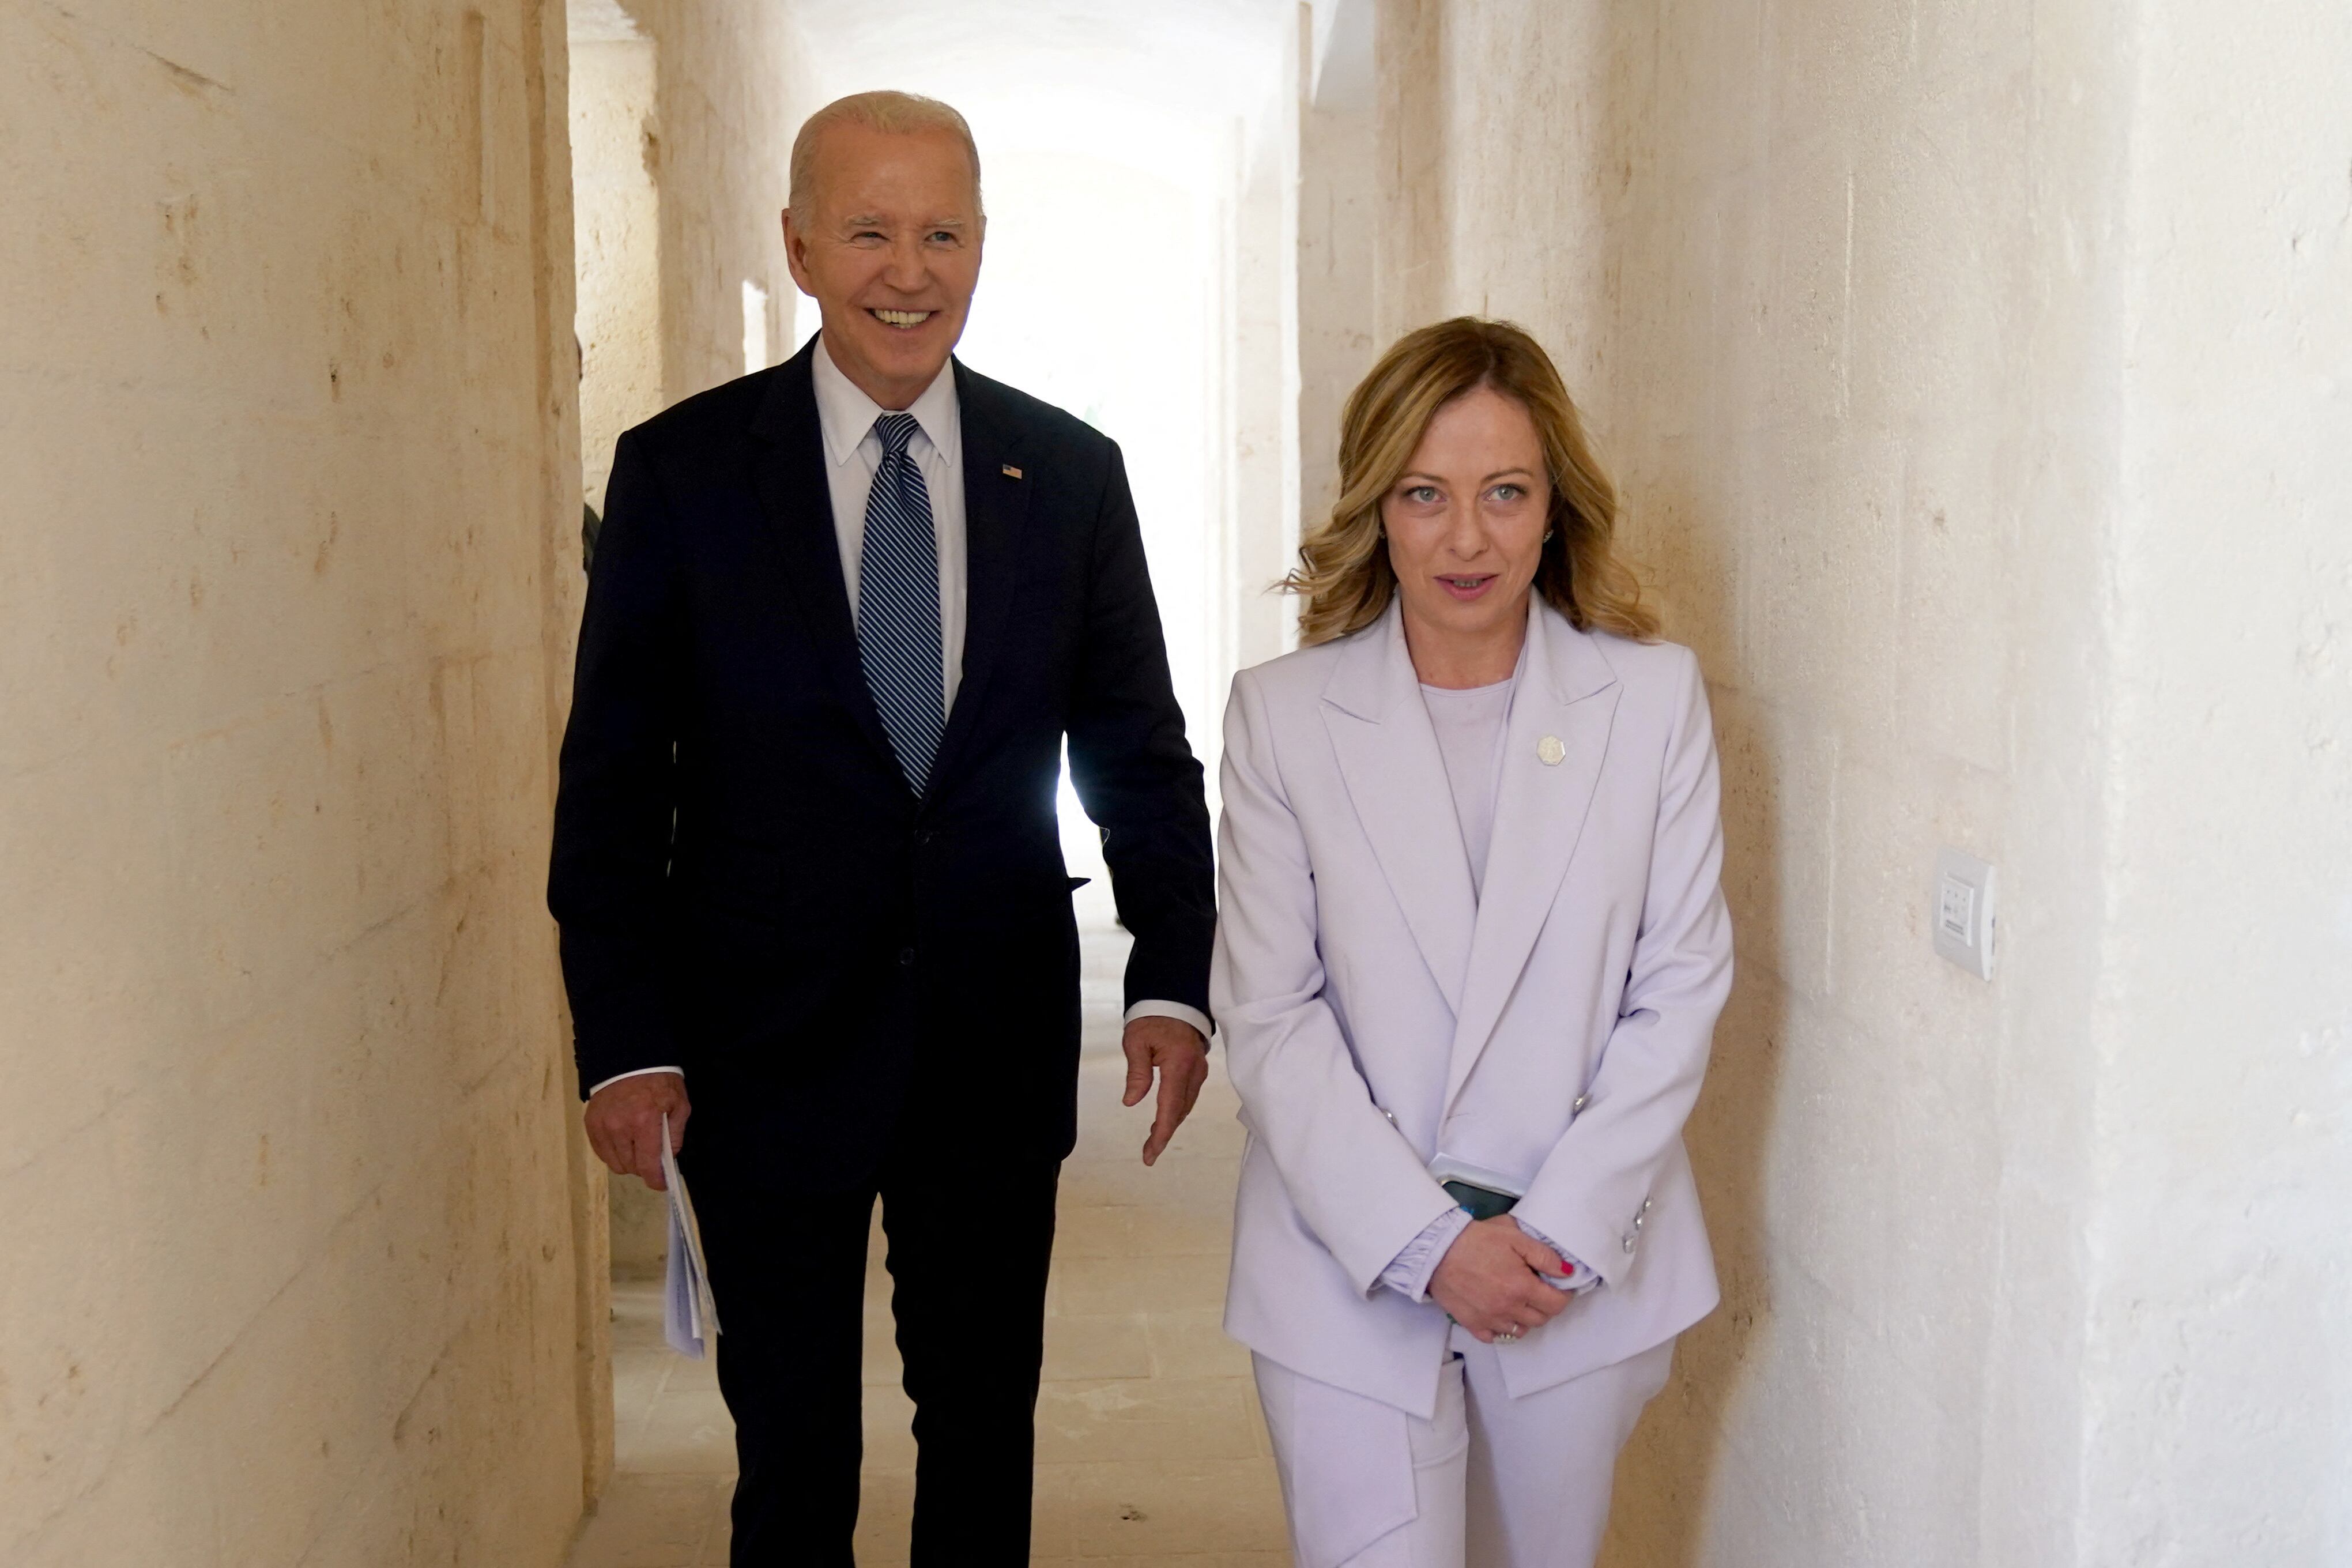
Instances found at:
x=1974 y=383
x=1150 y=1447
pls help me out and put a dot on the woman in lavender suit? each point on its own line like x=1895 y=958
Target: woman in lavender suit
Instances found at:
x=1470 y=954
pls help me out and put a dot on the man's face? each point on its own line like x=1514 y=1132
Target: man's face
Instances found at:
x=890 y=250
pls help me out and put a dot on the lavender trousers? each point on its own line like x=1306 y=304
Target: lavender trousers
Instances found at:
x=1489 y=1482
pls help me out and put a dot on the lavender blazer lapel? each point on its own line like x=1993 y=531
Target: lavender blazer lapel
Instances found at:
x=1568 y=694
x=1395 y=778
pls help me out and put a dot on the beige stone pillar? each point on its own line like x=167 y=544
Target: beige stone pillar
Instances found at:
x=1339 y=210
x=285 y=1194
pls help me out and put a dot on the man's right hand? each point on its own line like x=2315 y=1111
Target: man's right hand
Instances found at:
x=625 y=1123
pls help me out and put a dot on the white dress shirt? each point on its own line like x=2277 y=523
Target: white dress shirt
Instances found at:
x=854 y=453
x=845 y=416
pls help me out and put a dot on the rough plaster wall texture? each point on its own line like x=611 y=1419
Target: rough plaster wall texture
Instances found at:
x=563 y=592
x=1409 y=254
x=1907 y=456
x=2221 y=1413
x=1338 y=212
x=616 y=220
x=284 y=1195
x=1838 y=287
x=1263 y=369
x=731 y=94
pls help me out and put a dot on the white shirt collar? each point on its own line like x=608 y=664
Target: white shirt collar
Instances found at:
x=846 y=415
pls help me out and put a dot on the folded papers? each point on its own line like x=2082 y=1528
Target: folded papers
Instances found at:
x=690 y=1315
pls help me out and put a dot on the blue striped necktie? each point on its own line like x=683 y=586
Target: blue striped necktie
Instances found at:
x=898 y=606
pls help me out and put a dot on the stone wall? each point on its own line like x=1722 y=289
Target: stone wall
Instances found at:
x=683 y=115
x=1261 y=368
x=284 y=1167
x=732 y=89
x=616 y=239
x=2221 y=1322
x=1338 y=204
x=1974 y=381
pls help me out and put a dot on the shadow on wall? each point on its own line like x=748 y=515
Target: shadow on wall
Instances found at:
x=1674 y=1459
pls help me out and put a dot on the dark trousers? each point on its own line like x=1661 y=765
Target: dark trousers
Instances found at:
x=969 y=1242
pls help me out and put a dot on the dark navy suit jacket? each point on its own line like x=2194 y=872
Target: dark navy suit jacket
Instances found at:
x=745 y=884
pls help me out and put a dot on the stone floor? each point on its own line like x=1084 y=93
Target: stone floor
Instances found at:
x=1150 y=1450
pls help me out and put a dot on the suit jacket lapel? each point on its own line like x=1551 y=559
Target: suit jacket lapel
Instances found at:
x=788 y=470
x=995 y=505
x=1567 y=693
x=1396 y=780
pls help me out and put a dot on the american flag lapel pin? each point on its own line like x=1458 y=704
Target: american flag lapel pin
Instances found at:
x=1011 y=472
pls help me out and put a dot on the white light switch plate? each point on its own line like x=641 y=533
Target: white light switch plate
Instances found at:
x=1959 y=913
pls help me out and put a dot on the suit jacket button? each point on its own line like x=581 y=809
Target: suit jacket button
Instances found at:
x=905 y=958
x=1629 y=1244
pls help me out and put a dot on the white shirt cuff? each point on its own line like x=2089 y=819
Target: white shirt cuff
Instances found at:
x=1410 y=1272
x=637 y=1072
x=1579 y=1277
x=1176 y=1010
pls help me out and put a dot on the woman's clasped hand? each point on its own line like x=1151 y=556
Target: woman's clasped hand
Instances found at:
x=1491 y=1280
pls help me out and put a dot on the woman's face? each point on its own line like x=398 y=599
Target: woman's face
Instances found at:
x=1466 y=520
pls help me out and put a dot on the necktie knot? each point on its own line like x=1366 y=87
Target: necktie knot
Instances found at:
x=896 y=430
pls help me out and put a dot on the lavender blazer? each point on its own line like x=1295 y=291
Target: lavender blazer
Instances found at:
x=1555 y=1030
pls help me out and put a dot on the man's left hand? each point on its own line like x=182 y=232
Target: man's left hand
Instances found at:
x=1178 y=1053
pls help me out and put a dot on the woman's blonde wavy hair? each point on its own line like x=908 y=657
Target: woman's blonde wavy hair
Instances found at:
x=1344 y=577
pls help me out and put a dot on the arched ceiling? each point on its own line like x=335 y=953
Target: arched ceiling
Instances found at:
x=1041 y=71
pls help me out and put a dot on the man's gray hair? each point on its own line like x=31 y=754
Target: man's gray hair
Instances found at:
x=895 y=113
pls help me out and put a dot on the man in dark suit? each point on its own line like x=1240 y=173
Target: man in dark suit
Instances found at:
x=843 y=613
